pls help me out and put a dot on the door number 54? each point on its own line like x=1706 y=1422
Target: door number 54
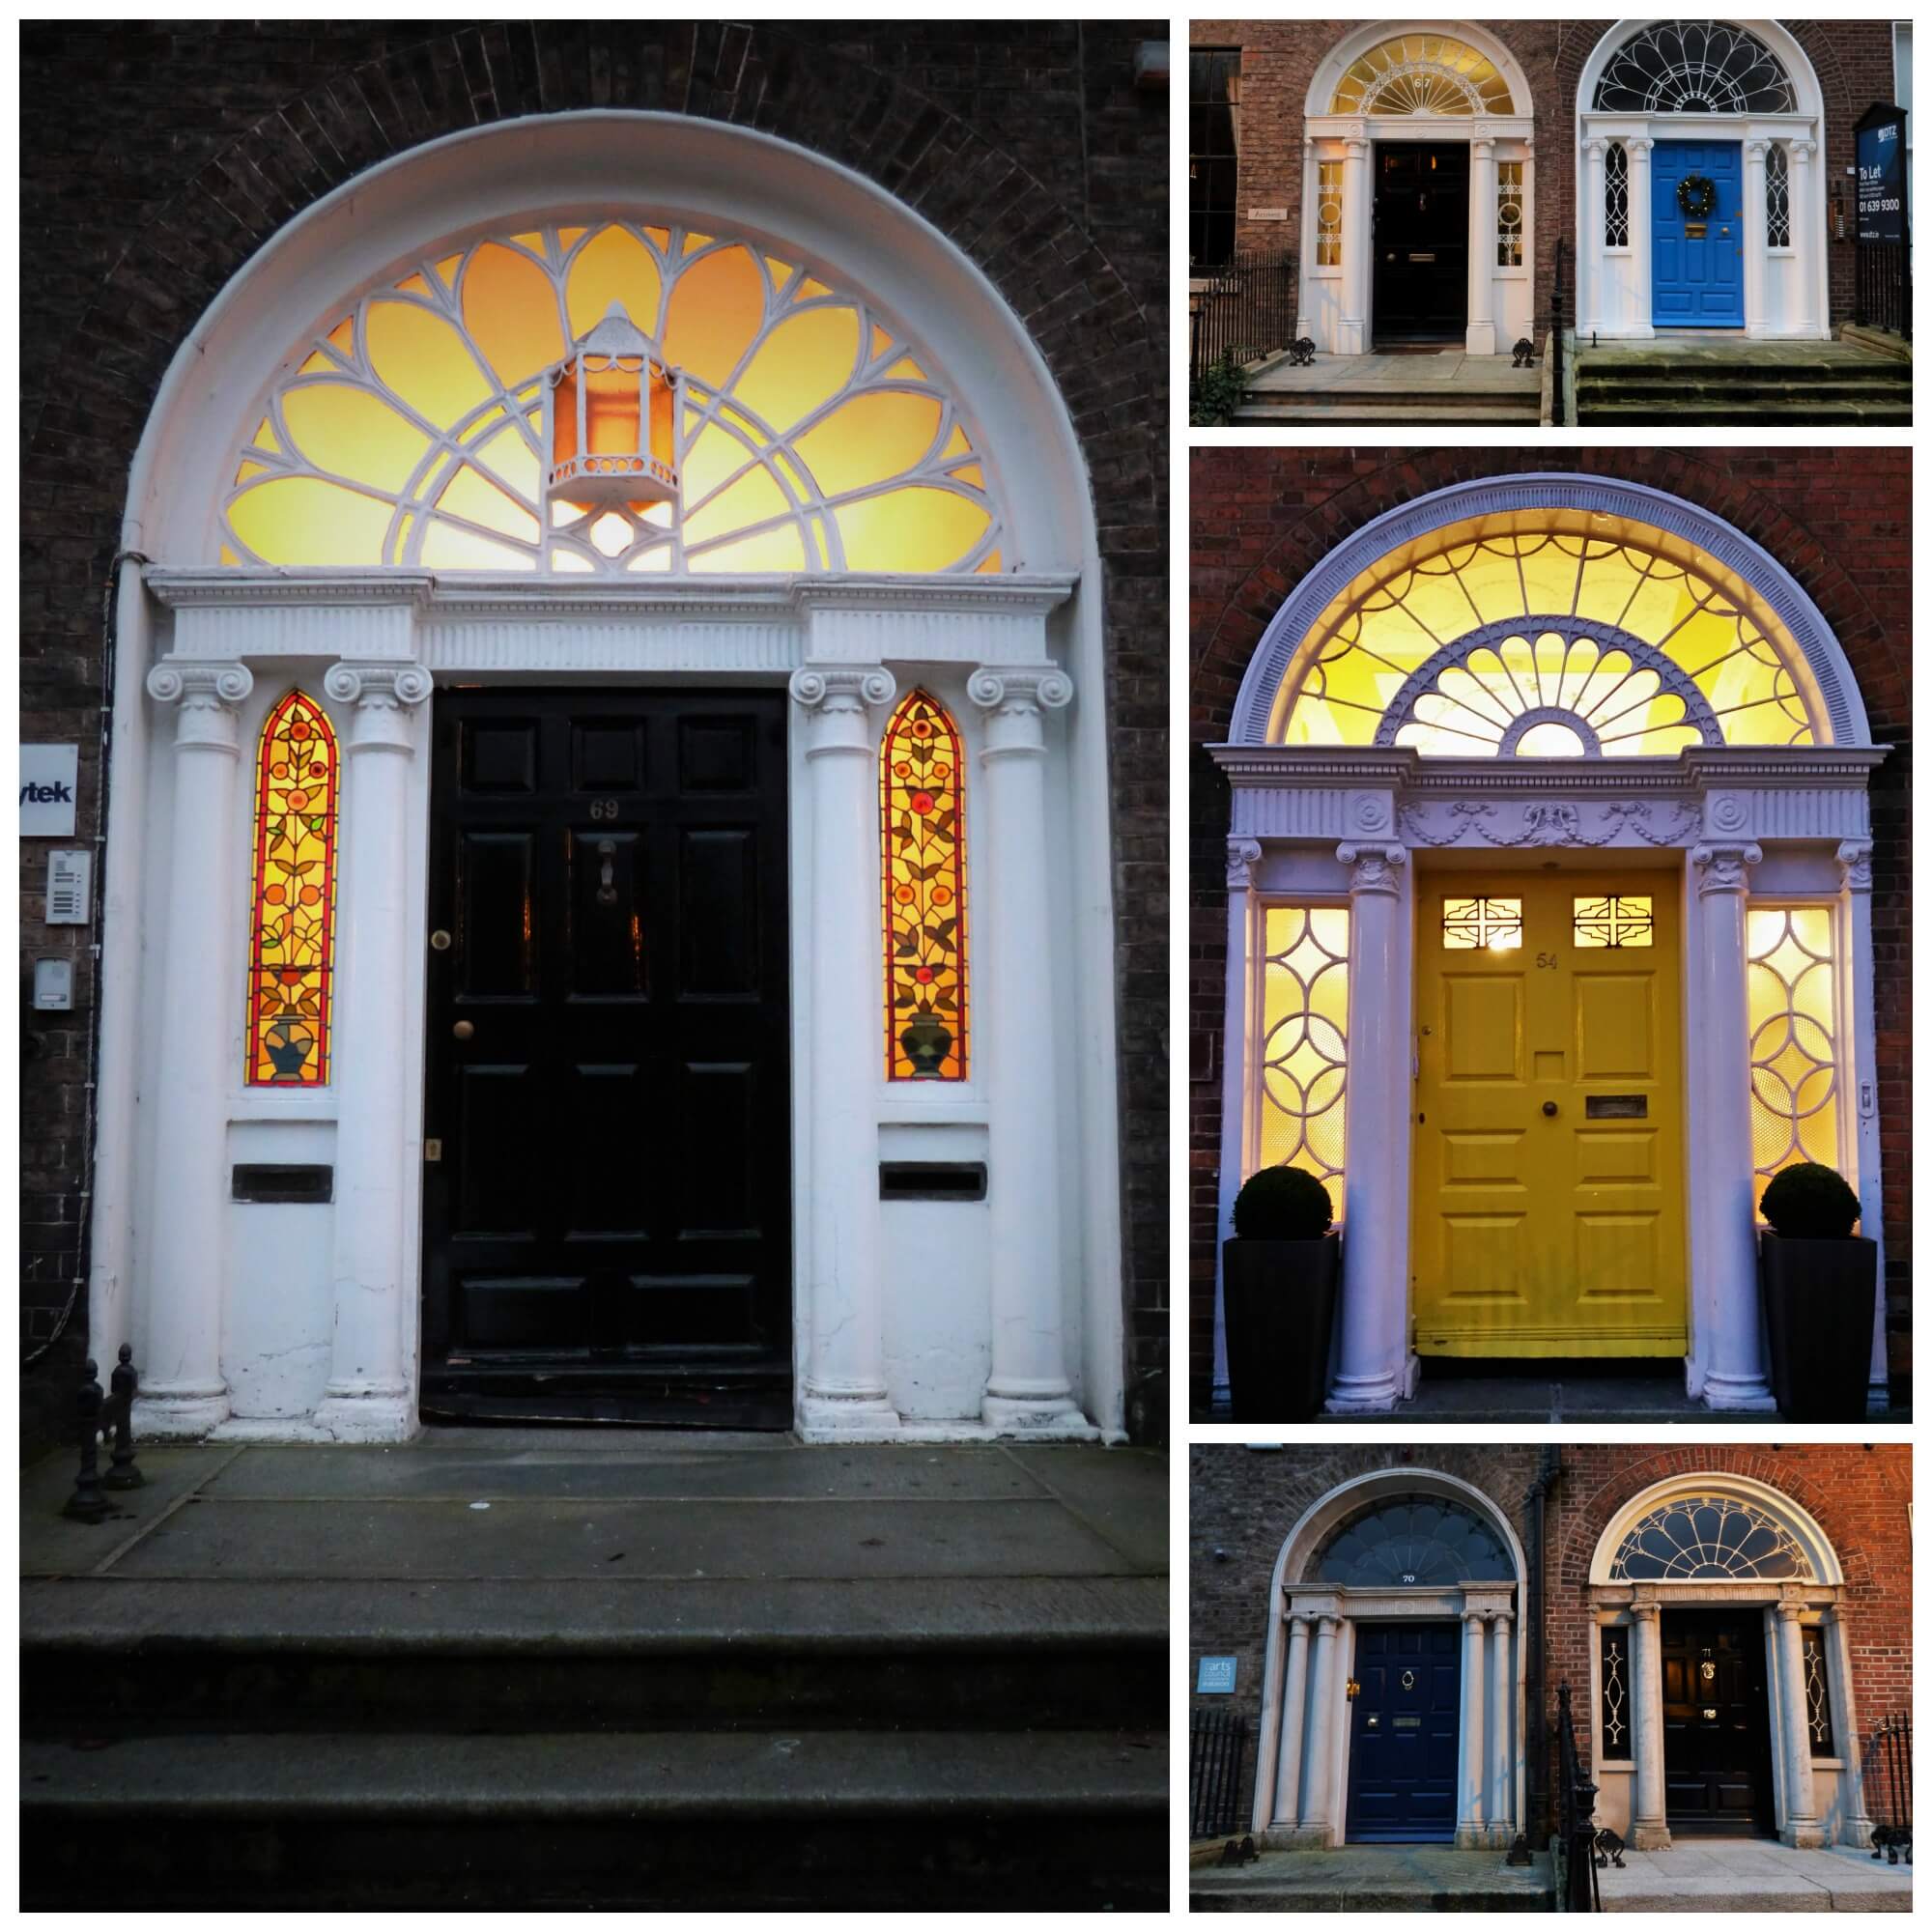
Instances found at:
x=1541 y=958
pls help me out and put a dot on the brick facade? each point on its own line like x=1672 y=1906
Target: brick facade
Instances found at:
x=1839 y=520
x=1029 y=145
x=1242 y=1504
x=1853 y=60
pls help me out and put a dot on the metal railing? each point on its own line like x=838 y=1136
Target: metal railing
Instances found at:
x=1218 y=1746
x=1886 y=1768
x=101 y=1416
x=1882 y=286
x=1243 y=308
x=1556 y=339
x=1575 y=1814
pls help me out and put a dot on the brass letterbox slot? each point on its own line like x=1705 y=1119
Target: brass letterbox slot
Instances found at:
x=1696 y=230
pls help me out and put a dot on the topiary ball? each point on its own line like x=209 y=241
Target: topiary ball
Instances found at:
x=1810 y=1202
x=1282 y=1203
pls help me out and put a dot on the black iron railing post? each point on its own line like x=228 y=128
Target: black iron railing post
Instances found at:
x=1556 y=339
x=1886 y=1770
x=1577 y=1796
x=88 y=1504
x=126 y=1383
x=1217 y=1756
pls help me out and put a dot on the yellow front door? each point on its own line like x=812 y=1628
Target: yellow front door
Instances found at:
x=1549 y=1116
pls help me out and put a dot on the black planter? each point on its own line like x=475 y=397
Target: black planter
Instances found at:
x=1279 y=1300
x=1818 y=1302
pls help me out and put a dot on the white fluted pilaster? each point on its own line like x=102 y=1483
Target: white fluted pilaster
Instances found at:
x=1854 y=877
x=1325 y=1710
x=1801 y=1802
x=1357 y=247
x=1502 y=1756
x=1471 y=1793
x=1808 y=236
x=1237 y=1038
x=1640 y=322
x=1480 y=331
x=1753 y=239
x=1293 y=1723
x=1649 y=1829
x=1592 y=270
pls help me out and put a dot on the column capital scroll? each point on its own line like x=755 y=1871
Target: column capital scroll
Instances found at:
x=1243 y=856
x=1724 y=869
x=1031 y=688
x=1647 y=1613
x=208 y=695
x=1855 y=856
x=835 y=698
x=1373 y=866
x=379 y=687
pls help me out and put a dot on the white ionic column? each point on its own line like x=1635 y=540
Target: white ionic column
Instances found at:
x=1807 y=238
x=1640 y=322
x=1293 y=1723
x=1649 y=1831
x=1502 y=1760
x=1752 y=239
x=1325 y=1710
x=1027 y=1391
x=1725 y=1297
x=1471 y=1828
x=1310 y=182
x=368 y=1398
x=1352 y=336
x=1854 y=877
x=1802 y=1828
x=183 y=1393
x=1375 y=1236
x=1237 y=1037
x=1592 y=269
x=844 y=1382
x=1480 y=337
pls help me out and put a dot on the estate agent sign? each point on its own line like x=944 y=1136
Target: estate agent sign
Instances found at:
x=48 y=777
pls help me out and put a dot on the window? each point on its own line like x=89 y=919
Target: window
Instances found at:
x=1619 y=921
x=1616 y=196
x=1776 y=197
x=1791 y=991
x=1613 y=1714
x=1425 y=1540
x=1592 y=636
x=1488 y=925
x=1817 y=1691
x=809 y=435
x=1422 y=74
x=1694 y=67
x=1304 y=1058
x=1328 y=214
x=1213 y=147
x=1699 y=1538
x=291 y=940
x=922 y=827
x=1509 y=214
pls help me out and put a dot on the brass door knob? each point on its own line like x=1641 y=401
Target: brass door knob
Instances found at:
x=466 y=1030
x=1549 y=1108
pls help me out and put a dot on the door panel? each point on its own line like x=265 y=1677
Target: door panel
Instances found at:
x=1717 y=1724
x=1403 y=1727
x=1697 y=267
x=1421 y=241
x=606 y=1232
x=1549 y=1233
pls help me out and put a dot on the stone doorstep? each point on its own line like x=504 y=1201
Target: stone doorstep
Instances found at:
x=1754 y=1876
x=1377 y=1878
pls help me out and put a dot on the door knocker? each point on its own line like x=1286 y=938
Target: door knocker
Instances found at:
x=1707 y=1670
x=607 y=892
x=1409 y=1680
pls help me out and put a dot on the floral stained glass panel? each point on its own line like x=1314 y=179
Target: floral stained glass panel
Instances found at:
x=922 y=821
x=291 y=940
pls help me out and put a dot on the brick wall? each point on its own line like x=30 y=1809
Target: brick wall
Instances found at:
x=1027 y=144
x=1838 y=519
x=1852 y=58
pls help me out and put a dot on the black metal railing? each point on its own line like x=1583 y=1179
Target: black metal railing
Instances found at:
x=1216 y=1759
x=1882 y=286
x=1575 y=1814
x=1885 y=1768
x=99 y=1415
x=1245 y=309
x=1556 y=338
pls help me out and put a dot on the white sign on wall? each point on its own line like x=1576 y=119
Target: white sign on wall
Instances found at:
x=49 y=777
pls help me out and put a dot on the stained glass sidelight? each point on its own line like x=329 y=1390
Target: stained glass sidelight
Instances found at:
x=1328 y=214
x=1620 y=919
x=1791 y=989
x=1817 y=1691
x=1614 y=1718
x=1422 y=74
x=922 y=826
x=1509 y=214
x=1424 y=1540
x=1304 y=1056
x=809 y=432
x=292 y=939
x=1699 y=1538
x=1482 y=924
x=1616 y=196
x=1694 y=67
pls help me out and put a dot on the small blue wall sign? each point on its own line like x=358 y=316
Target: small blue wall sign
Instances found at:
x=1215 y=1673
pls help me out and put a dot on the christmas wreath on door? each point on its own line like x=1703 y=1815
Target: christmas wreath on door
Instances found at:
x=1697 y=197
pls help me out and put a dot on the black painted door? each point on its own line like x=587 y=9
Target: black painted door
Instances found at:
x=606 y=1214
x=1717 y=1724
x=1422 y=242
x=1404 y=1726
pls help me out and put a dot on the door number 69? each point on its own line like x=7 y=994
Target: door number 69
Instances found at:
x=603 y=808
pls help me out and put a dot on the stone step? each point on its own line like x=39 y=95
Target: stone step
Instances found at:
x=171 y=1656
x=1433 y=409
x=1377 y=1878
x=1824 y=374
x=1876 y=341
x=1795 y=415
x=1742 y=389
x=766 y=1821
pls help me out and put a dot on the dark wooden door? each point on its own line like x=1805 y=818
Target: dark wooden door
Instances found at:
x=1717 y=1724
x=1404 y=1724
x=1422 y=242
x=606 y=1211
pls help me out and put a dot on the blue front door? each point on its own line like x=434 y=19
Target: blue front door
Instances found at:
x=1697 y=265
x=1403 y=1733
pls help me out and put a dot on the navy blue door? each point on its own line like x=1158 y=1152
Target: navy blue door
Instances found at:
x=1403 y=1733
x=1698 y=266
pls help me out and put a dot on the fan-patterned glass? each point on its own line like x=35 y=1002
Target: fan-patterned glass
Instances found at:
x=1422 y=74
x=1694 y=67
x=1304 y=1057
x=1792 y=994
x=810 y=433
x=1700 y=1538
x=1425 y=1540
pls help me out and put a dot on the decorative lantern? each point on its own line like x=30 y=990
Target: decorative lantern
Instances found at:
x=610 y=422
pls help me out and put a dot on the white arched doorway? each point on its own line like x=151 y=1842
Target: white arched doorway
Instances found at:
x=1393 y=1627
x=1721 y=1673
x=1431 y=123
x=1662 y=108
x=296 y=1317
x=1545 y=697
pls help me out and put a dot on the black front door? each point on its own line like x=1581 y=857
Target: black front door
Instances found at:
x=1717 y=1724
x=606 y=1207
x=1403 y=1732
x=1422 y=242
